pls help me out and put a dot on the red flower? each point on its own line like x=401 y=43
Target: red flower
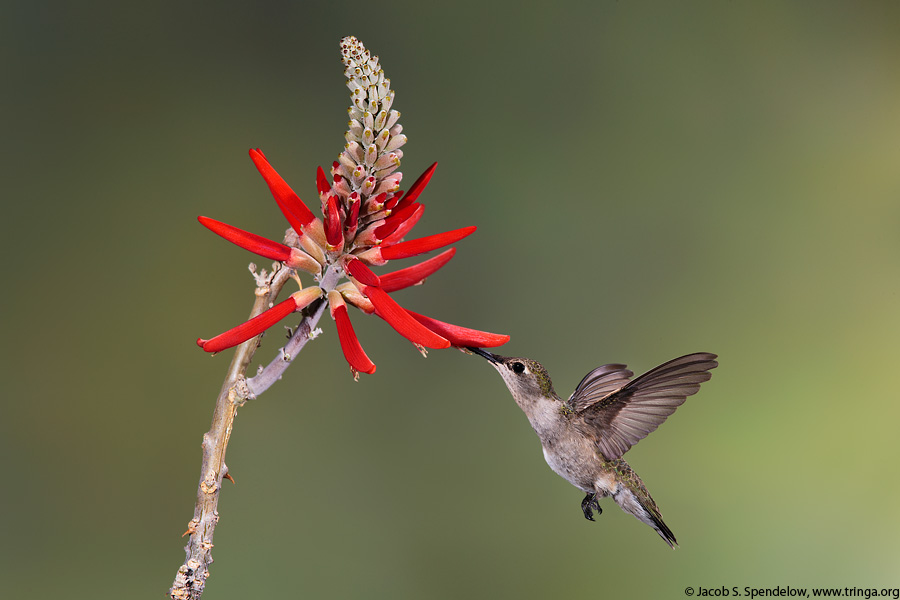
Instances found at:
x=365 y=218
x=358 y=230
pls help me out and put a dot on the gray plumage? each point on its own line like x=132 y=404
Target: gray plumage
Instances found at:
x=584 y=437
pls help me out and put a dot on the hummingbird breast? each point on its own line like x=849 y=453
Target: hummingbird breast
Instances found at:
x=571 y=454
x=575 y=459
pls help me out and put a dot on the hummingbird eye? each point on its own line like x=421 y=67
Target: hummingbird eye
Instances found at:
x=518 y=368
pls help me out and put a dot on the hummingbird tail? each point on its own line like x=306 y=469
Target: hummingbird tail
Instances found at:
x=664 y=532
x=632 y=496
x=645 y=510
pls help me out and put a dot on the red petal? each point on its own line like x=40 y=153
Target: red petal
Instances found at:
x=390 y=204
x=395 y=220
x=416 y=274
x=288 y=201
x=353 y=217
x=362 y=273
x=461 y=336
x=403 y=323
x=350 y=345
x=375 y=203
x=351 y=294
x=333 y=233
x=322 y=181
x=406 y=226
x=250 y=329
x=249 y=241
x=419 y=185
x=425 y=244
x=372 y=256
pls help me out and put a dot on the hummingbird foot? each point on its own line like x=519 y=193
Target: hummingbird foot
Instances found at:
x=590 y=502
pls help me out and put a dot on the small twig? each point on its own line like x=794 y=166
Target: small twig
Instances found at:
x=304 y=332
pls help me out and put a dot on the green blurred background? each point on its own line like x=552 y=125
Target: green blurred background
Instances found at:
x=649 y=179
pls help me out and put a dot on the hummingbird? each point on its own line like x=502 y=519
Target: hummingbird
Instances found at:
x=584 y=437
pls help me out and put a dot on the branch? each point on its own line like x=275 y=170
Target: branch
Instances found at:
x=305 y=332
x=192 y=574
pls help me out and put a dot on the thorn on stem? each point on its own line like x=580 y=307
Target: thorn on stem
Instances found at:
x=192 y=527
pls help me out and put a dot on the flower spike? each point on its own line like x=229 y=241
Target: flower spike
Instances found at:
x=365 y=218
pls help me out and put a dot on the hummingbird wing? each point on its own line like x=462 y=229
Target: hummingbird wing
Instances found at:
x=598 y=384
x=623 y=416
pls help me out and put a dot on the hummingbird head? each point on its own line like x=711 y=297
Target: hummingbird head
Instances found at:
x=527 y=380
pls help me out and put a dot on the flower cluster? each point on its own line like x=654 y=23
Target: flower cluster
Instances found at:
x=365 y=220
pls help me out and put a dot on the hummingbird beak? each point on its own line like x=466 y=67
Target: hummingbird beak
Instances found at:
x=484 y=353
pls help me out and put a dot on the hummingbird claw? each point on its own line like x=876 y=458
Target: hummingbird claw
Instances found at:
x=590 y=502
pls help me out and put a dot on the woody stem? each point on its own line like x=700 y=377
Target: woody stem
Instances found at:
x=190 y=579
